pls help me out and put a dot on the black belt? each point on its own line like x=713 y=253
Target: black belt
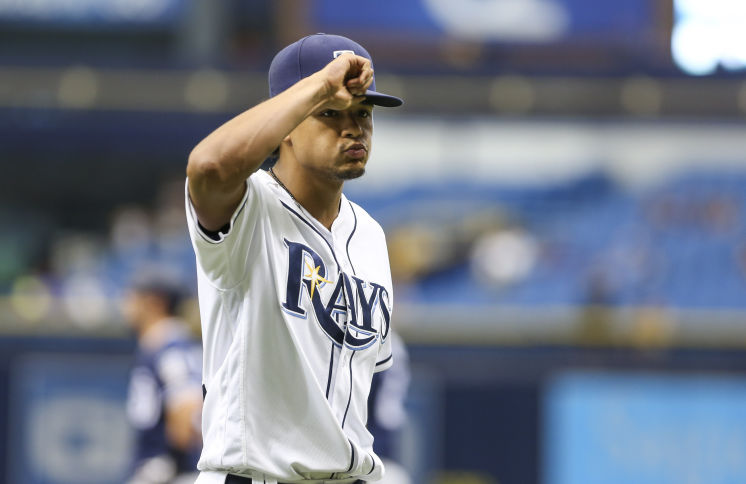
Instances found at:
x=233 y=479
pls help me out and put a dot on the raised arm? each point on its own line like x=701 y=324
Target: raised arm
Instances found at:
x=219 y=165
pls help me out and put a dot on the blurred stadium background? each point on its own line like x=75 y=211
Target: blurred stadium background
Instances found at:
x=564 y=195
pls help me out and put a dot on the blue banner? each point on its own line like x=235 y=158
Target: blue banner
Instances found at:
x=533 y=21
x=67 y=420
x=92 y=12
x=645 y=429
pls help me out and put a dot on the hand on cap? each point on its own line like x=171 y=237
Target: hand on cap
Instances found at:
x=347 y=78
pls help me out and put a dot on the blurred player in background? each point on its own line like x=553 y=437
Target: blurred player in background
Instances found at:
x=165 y=398
x=387 y=414
x=294 y=282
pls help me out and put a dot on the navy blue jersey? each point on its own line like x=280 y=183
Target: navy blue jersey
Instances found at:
x=167 y=368
x=386 y=402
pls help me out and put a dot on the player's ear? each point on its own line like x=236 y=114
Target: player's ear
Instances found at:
x=287 y=140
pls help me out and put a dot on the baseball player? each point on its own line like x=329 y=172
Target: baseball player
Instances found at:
x=163 y=403
x=294 y=280
x=387 y=413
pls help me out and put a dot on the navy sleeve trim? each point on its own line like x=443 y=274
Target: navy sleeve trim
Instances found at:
x=214 y=234
x=217 y=236
x=383 y=362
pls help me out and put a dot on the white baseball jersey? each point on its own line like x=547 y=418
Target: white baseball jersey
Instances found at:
x=295 y=321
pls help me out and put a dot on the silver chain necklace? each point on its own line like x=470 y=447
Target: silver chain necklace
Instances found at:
x=272 y=172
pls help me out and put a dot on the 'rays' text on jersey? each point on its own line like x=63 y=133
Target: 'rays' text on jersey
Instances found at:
x=356 y=313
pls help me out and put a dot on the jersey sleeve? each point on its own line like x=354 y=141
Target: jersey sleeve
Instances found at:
x=385 y=356
x=222 y=255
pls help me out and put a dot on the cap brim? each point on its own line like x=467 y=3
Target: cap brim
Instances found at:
x=383 y=99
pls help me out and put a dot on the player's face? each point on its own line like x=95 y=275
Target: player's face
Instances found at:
x=335 y=144
x=132 y=308
x=140 y=307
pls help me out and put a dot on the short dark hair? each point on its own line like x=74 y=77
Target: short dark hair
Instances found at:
x=163 y=285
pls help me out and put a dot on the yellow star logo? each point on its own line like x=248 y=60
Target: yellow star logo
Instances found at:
x=315 y=277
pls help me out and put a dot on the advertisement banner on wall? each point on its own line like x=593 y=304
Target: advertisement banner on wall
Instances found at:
x=91 y=13
x=620 y=428
x=533 y=21
x=67 y=420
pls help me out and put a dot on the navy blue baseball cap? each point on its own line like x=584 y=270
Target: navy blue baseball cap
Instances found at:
x=311 y=54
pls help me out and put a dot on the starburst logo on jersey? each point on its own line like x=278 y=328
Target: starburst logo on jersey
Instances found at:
x=314 y=277
x=364 y=305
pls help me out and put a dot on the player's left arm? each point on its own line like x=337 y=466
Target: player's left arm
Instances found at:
x=182 y=423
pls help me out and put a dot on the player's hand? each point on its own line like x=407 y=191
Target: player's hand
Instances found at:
x=346 y=79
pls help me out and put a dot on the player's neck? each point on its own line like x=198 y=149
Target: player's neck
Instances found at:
x=318 y=195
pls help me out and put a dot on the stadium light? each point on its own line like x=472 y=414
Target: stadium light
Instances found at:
x=708 y=34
